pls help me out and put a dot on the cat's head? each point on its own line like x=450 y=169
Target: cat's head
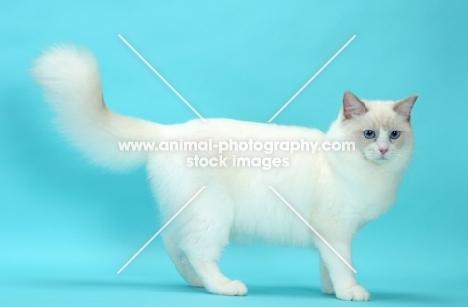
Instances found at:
x=381 y=130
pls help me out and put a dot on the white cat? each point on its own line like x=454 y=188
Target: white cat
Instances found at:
x=336 y=192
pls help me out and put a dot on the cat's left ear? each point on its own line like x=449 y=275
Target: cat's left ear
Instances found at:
x=404 y=107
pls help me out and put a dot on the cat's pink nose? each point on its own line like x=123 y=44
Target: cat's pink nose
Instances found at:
x=383 y=150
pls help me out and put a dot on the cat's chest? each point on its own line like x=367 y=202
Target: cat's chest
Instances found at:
x=368 y=195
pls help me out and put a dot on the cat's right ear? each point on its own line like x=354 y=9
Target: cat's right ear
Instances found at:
x=352 y=106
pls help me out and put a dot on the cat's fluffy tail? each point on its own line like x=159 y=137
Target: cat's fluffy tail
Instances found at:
x=70 y=77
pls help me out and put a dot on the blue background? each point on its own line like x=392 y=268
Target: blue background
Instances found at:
x=66 y=227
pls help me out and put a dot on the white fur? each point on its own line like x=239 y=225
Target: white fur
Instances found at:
x=337 y=192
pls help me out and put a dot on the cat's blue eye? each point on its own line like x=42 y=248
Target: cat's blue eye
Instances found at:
x=369 y=134
x=395 y=134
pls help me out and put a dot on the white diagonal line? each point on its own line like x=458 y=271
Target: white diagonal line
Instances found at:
x=161 y=77
x=160 y=230
x=311 y=79
x=313 y=229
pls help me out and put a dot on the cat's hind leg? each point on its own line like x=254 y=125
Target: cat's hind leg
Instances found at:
x=198 y=236
x=205 y=263
x=202 y=238
x=182 y=264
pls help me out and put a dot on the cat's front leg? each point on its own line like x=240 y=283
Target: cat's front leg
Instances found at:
x=326 y=282
x=341 y=276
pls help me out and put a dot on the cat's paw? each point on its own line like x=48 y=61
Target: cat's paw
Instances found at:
x=354 y=293
x=232 y=287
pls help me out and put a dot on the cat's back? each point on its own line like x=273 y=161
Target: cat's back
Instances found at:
x=222 y=129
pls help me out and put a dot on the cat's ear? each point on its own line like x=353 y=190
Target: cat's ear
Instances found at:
x=404 y=107
x=352 y=106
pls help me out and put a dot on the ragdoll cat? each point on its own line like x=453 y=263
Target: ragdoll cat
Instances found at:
x=337 y=192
